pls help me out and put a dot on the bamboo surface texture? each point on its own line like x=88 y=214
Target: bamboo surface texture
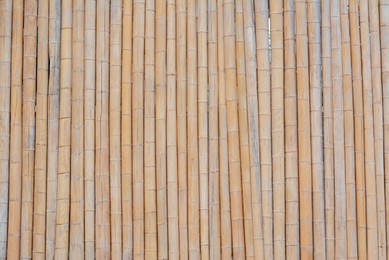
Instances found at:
x=194 y=129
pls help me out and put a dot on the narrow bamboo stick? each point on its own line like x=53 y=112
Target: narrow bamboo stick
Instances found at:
x=126 y=131
x=278 y=143
x=233 y=132
x=40 y=165
x=114 y=122
x=291 y=157
x=5 y=94
x=151 y=250
x=103 y=238
x=358 y=127
x=15 y=167
x=29 y=99
x=225 y=208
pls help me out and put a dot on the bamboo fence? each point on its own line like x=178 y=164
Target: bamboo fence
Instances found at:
x=194 y=129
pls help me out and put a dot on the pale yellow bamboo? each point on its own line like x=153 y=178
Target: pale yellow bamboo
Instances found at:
x=102 y=227
x=29 y=99
x=291 y=158
x=15 y=167
x=126 y=131
x=5 y=94
x=151 y=251
x=114 y=123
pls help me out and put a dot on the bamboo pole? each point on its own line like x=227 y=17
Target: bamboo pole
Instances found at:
x=151 y=250
x=291 y=157
x=5 y=94
x=371 y=197
x=278 y=143
x=193 y=160
x=29 y=99
x=114 y=122
x=126 y=131
x=89 y=126
x=103 y=238
x=225 y=207
x=15 y=167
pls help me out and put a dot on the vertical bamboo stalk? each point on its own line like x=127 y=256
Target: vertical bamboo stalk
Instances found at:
x=41 y=133
x=103 y=238
x=137 y=127
x=233 y=132
x=29 y=99
x=291 y=156
x=151 y=250
x=114 y=123
x=63 y=175
x=89 y=126
x=5 y=94
x=225 y=208
x=278 y=143
x=126 y=131
x=182 y=129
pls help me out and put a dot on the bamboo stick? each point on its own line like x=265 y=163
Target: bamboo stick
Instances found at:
x=114 y=122
x=40 y=170
x=126 y=131
x=5 y=94
x=291 y=157
x=89 y=126
x=151 y=250
x=15 y=167
x=225 y=208
x=103 y=238
x=278 y=143
x=29 y=99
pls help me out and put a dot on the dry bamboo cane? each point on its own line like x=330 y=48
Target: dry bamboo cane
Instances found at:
x=114 y=123
x=102 y=228
x=328 y=130
x=225 y=208
x=193 y=160
x=126 y=131
x=15 y=167
x=202 y=123
x=89 y=126
x=378 y=124
x=352 y=251
x=5 y=94
x=339 y=167
x=40 y=170
x=252 y=103
x=181 y=128
x=291 y=157
x=76 y=239
x=233 y=132
x=160 y=129
x=214 y=187
x=243 y=131
x=358 y=127
x=151 y=249
x=371 y=201
x=63 y=172
x=278 y=143
x=29 y=99
x=172 y=178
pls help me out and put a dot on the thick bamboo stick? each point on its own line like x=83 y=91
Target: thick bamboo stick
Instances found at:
x=291 y=157
x=151 y=250
x=15 y=167
x=5 y=94
x=29 y=99
x=114 y=123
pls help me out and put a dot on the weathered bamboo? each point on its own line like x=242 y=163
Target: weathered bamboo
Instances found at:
x=5 y=94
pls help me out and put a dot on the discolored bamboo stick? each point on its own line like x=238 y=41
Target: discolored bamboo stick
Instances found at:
x=151 y=250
